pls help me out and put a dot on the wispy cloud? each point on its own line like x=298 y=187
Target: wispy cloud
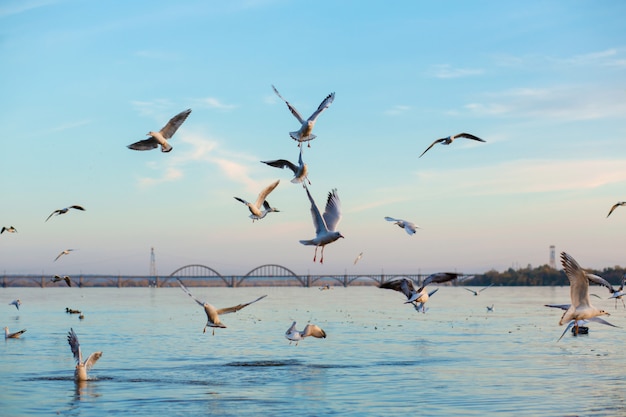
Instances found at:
x=171 y=174
x=397 y=109
x=213 y=103
x=10 y=8
x=154 y=107
x=447 y=71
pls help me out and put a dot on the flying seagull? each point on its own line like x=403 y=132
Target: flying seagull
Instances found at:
x=80 y=374
x=304 y=134
x=479 y=291
x=418 y=298
x=490 y=309
x=300 y=171
x=294 y=335
x=580 y=308
x=65 y=210
x=450 y=139
x=161 y=137
x=255 y=208
x=67 y=279
x=9 y=229
x=409 y=227
x=358 y=258
x=212 y=313
x=325 y=225
x=17 y=303
x=16 y=335
x=64 y=252
x=617 y=294
x=616 y=205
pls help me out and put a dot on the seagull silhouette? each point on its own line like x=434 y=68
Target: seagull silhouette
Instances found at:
x=304 y=134
x=255 y=208
x=294 y=335
x=325 y=225
x=64 y=210
x=450 y=139
x=161 y=137
x=616 y=205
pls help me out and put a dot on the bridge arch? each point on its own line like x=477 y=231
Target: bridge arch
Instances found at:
x=272 y=272
x=195 y=272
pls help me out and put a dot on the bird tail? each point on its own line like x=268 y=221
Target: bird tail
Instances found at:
x=307 y=242
x=166 y=147
x=295 y=136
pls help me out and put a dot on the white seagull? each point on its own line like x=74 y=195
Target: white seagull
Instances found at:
x=80 y=374
x=17 y=303
x=616 y=294
x=418 y=298
x=409 y=227
x=64 y=252
x=580 y=308
x=9 y=229
x=212 y=313
x=304 y=134
x=300 y=171
x=255 y=208
x=616 y=205
x=294 y=335
x=450 y=139
x=358 y=258
x=65 y=210
x=16 y=335
x=161 y=137
x=325 y=225
x=67 y=280
x=479 y=291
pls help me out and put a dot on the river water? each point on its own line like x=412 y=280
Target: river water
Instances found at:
x=381 y=357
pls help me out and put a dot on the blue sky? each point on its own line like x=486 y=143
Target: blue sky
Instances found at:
x=544 y=83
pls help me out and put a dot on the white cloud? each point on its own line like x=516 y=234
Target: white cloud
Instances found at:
x=447 y=71
x=397 y=109
x=214 y=103
x=171 y=174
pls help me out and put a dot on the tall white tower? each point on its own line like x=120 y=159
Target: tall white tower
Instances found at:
x=552 y=257
x=153 y=270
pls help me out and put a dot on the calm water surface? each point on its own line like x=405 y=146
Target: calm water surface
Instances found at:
x=380 y=357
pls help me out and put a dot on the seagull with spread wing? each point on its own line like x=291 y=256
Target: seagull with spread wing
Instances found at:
x=304 y=134
x=418 y=298
x=15 y=335
x=325 y=225
x=300 y=171
x=294 y=335
x=161 y=137
x=17 y=303
x=212 y=313
x=9 y=229
x=65 y=210
x=63 y=252
x=477 y=292
x=448 y=140
x=255 y=208
x=58 y=278
x=408 y=226
x=616 y=205
x=80 y=374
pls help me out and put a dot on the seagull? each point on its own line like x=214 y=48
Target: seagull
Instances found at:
x=255 y=208
x=67 y=280
x=616 y=205
x=294 y=335
x=582 y=329
x=9 y=229
x=304 y=133
x=490 y=309
x=479 y=291
x=15 y=335
x=409 y=227
x=358 y=258
x=325 y=225
x=212 y=314
x=65 y=252
x=580 y=308
x=160 y=137
x=450 y=139
x=299 y=171
x=65 y=210
x=619 y=293
x=17 y=303
x=418 y=298
x=326 y=287
x=616 y=294
x=80 y=374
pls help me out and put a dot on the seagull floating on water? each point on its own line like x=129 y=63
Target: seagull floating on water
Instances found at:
x=67 y=279
x=409 y=227
x=65 y=210
x=304 y=134
x=450 y=139
x=9 y=229
x=161 y=137
x=479 y=291
x=325 y=225
x=212 y=313
x=80 y=374
x=294 y=335
x=255 y=208
x=64 y=252
x=17 y=303
x=580 y=308
x=418 y=298
x=16 y=335
x=616 y=205
x=300 y=171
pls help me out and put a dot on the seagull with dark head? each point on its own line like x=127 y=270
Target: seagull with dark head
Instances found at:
x=65 y=210
x=255 y=208
x=325 y=225
x=58 y=278
x=450 y=139
x=161 y=137
x=408 y=226
x=418 y=297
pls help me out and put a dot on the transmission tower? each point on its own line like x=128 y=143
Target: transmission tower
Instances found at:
x=552 y=257
x=153 y=270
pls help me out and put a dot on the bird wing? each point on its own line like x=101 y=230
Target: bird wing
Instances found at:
x=467 y=136
x=599 y=320
x=439 y=277
x=600 y=281
x=403 y=285
x=77 y=207
x=53 y=213
x=59 y=255
x=323 y=106
x=391 y=219
x=292 y=328
x=290 y=107
x=263 y=194
x=242 y=200
x=313 y=330
x=282 y=163
x=561 y=306
x=579 y=283
x=144 y=145
x=483 y=289
x=410 y=227
x=72 y=339
x=318 y=220
x=182 y=286
x=472 y=291
x=616 y=205
x=238 y=307
x=92 y=359
x=332 y=214
x=172 y=126
x=431 y=145
x=17 y=334
x=432 y=292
